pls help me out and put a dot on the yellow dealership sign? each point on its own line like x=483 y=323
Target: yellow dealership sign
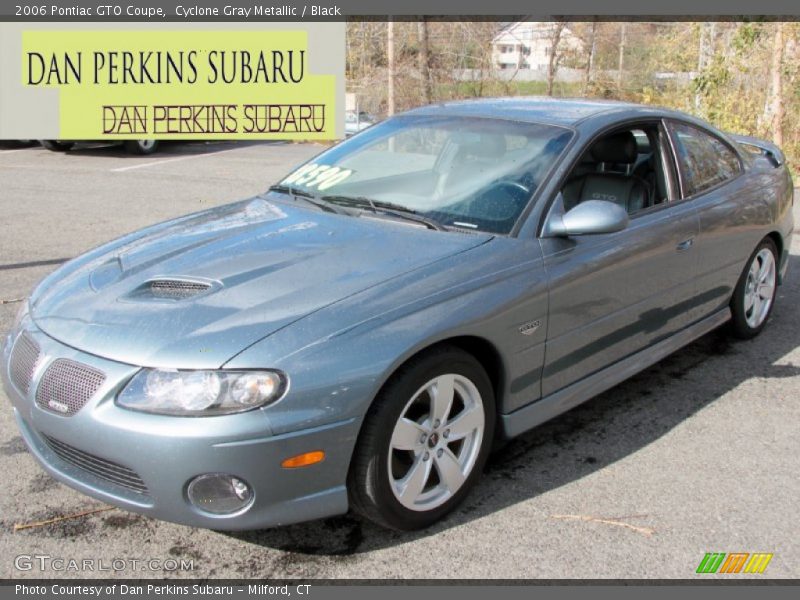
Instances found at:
x=159 y=84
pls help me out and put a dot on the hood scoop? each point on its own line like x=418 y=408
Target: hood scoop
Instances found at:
x=173 y=289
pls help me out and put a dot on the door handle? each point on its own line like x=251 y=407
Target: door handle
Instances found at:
x=685 y=244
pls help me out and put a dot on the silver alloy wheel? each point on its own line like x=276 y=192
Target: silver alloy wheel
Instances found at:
x=436 y=442
x=146 y=144
x=759 y=288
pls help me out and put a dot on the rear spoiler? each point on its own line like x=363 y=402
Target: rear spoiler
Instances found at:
x=760 y=147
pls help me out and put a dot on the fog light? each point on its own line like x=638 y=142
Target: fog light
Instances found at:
x=219 y=493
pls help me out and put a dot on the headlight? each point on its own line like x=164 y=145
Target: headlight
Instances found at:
x=201 y=393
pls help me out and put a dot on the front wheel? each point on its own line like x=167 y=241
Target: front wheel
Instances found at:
x=141 y=146
x=754 y=296
x=424 y=442
x=56 y=146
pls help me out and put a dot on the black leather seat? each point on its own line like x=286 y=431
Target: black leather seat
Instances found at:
x=623 y=188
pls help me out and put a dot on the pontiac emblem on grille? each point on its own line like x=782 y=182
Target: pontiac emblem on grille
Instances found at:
x=59 y=406
x=530 y=328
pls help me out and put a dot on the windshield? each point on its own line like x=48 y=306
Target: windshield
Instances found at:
x=464 y=172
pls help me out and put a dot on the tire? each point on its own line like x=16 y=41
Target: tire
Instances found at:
x=446 y=458
x=754 y=296
x=56 y=146
x=141 y=146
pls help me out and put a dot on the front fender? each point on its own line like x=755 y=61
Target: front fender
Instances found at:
x=337 y=375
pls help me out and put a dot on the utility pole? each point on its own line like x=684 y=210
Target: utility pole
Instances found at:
x=424 y=60
x=390 y=60
x=622 y=34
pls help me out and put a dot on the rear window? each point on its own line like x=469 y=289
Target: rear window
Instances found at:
x=704 y=160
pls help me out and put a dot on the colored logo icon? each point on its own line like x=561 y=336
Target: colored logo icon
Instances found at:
x=734 y=562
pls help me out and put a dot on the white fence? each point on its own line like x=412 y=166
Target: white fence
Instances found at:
x=563 y=74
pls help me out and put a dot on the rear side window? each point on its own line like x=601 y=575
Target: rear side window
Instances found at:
x=704 y=160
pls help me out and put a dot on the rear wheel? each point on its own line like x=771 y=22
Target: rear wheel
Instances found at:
x=424 y=441
x=141 y=146
x=754 y=296
x=57 y=146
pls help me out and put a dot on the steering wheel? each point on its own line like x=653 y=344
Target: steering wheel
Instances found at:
x=501 y=201
x=516 y=185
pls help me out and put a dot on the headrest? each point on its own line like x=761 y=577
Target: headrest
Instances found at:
x=616 y=148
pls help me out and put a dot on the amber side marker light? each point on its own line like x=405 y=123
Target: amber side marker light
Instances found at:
x=304 y=460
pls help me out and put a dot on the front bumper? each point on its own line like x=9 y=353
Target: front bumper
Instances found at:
x=167 y=452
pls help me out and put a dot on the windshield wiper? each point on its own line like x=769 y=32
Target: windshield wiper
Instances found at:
x=389 y=208
x=296 y=193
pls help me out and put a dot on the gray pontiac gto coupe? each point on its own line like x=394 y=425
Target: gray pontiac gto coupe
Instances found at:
x=358 y=335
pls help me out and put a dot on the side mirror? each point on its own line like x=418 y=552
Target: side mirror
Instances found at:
x=587 y=218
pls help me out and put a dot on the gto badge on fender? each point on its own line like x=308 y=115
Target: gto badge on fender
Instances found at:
x=530 y=328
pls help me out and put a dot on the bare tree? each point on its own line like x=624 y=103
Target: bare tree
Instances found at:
x=745 y=74
x=392 y=68
x=705 y=53
x=591 y=45
x=774 y=106
x=555 y=55
x=623 y=31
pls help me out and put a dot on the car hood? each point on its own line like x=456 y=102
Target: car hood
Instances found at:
x=193 y=292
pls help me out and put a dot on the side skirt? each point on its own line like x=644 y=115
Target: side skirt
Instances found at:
x=536 y=413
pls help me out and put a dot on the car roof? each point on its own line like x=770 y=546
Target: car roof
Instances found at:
x=539 y=109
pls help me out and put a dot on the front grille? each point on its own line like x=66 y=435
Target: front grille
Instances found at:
x=67 y=386
x=24 y=357
x=99 y=467
x=175 y=289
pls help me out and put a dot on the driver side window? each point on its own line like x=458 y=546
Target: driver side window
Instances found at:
x=623 y=167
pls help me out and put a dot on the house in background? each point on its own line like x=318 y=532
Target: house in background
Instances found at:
x=528 y=45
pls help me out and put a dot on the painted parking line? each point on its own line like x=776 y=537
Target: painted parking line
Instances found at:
x=13 y=150
x=155 y=163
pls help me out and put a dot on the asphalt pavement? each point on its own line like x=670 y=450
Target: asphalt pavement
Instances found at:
x=696 y=454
